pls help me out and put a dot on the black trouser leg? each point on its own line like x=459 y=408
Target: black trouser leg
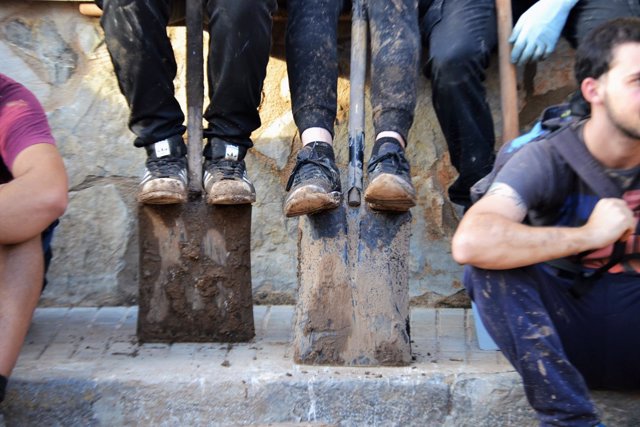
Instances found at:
x=240 y=41
x=312 y=61
x=142 y=56
x=395 y=52
x=588 y=14
x=459 y=50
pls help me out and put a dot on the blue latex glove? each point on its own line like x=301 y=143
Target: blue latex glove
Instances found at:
x=537 y=31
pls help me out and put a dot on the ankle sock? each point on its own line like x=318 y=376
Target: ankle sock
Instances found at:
x=3 y=387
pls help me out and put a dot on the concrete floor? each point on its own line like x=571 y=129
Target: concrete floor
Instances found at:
x=83 y=366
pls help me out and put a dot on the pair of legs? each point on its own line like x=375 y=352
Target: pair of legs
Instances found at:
x=141 y=52
x=312 y=63
x=457 y=64
x=559 y=344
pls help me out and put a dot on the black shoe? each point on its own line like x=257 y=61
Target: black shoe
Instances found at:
x=224 y=177
x=314 y=184
x=165 y=177
x=390 y=187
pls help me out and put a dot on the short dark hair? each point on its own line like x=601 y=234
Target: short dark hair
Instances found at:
x=595 y=52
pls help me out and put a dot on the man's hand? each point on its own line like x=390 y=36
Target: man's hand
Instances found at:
x=610 y=221
x=537 y=31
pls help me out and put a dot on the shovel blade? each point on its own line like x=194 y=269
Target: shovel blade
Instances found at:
x=195 y=273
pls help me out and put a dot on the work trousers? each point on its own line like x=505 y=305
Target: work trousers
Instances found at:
x=562 y=345
x=461 y=35
x=312 y=62
x=141 y=52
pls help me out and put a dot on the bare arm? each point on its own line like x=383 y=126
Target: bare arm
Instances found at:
x=491 y=234
x=35 y=197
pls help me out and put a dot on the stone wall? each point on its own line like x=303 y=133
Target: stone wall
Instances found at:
x=61 y=56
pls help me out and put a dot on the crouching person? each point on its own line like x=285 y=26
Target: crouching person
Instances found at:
x=33 y=194
x=552 y=267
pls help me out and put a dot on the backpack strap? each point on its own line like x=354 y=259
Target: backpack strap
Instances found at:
x=578 y=157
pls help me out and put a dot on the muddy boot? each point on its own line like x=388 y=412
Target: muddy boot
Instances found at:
x=165 y=177
x=390 y=187
x=314 y=184
x=224 y=177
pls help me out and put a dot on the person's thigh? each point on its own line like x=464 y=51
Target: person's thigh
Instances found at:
x=588 y=14
x=465 y=26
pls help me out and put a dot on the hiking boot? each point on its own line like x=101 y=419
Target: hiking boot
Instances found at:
x=165 y=177
x=390 y=187
x=224 y=177
x=314 y=184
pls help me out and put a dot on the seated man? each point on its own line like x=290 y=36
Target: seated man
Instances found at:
x=458 y=60
x=537 y=212
x=312 y=64
x=33 y=194
x=240 y=40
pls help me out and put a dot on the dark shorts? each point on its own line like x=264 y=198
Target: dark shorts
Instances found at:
x=47 y=237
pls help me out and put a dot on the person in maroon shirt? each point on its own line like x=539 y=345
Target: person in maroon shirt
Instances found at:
x=33 y=194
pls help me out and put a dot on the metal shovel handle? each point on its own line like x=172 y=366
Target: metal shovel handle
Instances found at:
x=356 y=101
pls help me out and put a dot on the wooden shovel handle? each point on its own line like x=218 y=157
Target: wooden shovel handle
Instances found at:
x=508 y=80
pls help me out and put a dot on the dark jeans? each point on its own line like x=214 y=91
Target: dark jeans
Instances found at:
x=561 y=345
x=47 y=237
x=461 y=35
x=240 y=40
x=312 y=62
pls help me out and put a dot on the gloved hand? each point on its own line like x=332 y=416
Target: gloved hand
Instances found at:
x=537 y=31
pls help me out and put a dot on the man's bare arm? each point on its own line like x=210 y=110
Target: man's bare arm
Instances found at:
x=491 y=234
x=35 y=197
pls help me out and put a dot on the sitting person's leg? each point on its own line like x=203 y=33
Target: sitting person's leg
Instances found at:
x=460 y=45
x=395 y=51
x=142 y=56
x=312 y=66
x=240 y=41
x=586 y=15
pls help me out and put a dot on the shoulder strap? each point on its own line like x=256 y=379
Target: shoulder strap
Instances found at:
x=578 y=157
x=575 y=153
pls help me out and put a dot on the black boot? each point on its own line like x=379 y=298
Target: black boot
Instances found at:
x=314 y=184
x=390 y=187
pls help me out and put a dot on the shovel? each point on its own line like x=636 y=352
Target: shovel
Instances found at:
x=353 y=271
x=195 y=274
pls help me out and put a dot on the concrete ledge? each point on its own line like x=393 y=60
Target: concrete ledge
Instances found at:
x=83 y=367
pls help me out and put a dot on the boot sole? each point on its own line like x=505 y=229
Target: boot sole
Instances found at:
x=309 y=200
x=388 y=192
x=162 y=191
x=230 y=192
x=162 y=198
x=230 y=199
